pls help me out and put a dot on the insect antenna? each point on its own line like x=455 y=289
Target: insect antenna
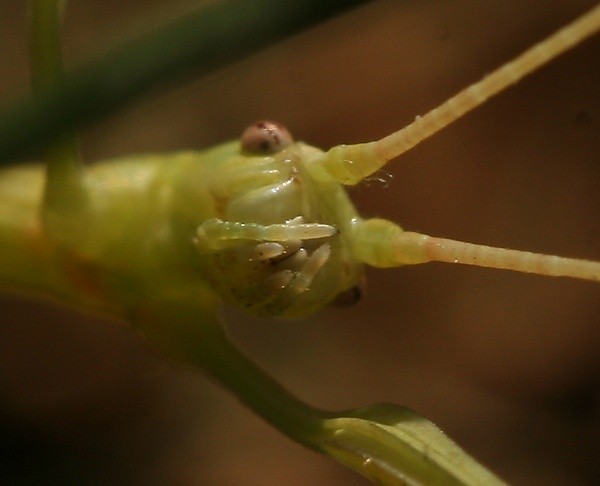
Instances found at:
x=382 y=243
x=350 y=164
x=444 y=250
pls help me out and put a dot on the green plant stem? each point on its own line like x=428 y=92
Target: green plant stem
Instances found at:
x=187 y=331
x=260 y=392
x=202 y=42
x=44 y=42
x=387 y=443
x=63 y=192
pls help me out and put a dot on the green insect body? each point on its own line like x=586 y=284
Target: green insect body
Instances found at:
x=264 y=223
x=102 y=263
x=273 y=231
x=156 y=224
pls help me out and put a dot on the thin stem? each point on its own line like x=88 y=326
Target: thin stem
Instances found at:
x=44 y=42
x=210 y=38
x=386 y=443
x=187 y=331
x=63 y=190
x=256 y=389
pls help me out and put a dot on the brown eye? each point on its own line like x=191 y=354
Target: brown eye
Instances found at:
x=265 y=137
x=348 y=297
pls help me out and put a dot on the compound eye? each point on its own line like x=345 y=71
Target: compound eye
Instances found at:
x=265 y=137
x=348 y=297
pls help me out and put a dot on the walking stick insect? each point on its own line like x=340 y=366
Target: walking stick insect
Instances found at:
x=203 y=235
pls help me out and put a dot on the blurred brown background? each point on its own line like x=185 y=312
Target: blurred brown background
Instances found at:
x=507 y=364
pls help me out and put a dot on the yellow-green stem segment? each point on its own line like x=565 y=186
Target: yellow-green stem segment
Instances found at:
x=64 y=191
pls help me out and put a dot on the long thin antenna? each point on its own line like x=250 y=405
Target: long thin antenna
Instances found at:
x=434 y=249
x=349 y=164
x=533 y=58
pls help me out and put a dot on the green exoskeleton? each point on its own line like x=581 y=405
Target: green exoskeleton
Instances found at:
x=264 y=223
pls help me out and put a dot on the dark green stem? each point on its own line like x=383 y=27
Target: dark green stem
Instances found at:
x=209 y=39
x=64 y=191
x=386 y=443
x=217 y=356
x=188 y=332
